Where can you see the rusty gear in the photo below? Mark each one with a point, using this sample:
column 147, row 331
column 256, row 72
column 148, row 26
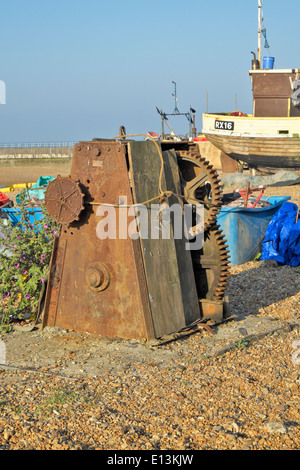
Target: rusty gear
column 64, row 200
column 200, row 183
column 211, row 265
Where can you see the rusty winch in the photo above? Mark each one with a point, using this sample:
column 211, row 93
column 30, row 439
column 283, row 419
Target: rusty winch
column 133, row 286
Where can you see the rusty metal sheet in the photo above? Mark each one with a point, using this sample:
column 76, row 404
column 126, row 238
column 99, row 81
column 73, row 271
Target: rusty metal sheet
column 212, row 310
column 98, row 286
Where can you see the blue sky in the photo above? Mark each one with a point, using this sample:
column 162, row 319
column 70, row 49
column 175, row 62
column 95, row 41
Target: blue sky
column 75, row 69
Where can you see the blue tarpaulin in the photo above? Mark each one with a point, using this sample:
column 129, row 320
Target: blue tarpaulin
column 282, row 238
column 38, row 189
column 245, row 227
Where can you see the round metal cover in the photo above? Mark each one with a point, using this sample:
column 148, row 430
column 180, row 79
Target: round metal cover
column 64, row 200
column 97, row 276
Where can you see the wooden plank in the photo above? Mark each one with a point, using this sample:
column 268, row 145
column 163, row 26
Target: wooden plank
column 229, row 165
column 274, row 85
column 184, row 259
column 268, row 107
column 168, row 266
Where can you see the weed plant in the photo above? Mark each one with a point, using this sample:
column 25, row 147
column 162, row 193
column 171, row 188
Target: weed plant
column 24, row 260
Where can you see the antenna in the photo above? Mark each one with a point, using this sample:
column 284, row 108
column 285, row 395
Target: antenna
column 176, row 110
column 190, row 115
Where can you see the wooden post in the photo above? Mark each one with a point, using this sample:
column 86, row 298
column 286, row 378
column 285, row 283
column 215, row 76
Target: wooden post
column 247, row 194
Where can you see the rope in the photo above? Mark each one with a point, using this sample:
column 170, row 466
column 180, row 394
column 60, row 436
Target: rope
column 162, row 194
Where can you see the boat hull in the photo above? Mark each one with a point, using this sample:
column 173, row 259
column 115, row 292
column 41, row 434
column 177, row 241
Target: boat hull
column 268, row 152
column 259, row 142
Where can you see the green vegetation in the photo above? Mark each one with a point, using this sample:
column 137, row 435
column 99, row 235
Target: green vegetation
column 241, row 343
column 24, row 262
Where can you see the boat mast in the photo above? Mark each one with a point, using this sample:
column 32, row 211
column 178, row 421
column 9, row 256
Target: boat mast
column 259, row 33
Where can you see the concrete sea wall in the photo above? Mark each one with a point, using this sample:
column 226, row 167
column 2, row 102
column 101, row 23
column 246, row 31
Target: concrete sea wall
column 36, row 153
column 16, row 153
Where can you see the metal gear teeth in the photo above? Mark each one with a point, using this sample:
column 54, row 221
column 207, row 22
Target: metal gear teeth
column 213, row 178
column 224, row 273
column 210, row 225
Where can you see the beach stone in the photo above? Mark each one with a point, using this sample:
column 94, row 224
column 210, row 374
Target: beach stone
column 276, row 427
column 281, row 408
column 293, row 387
column 243, row 331
column 217, row 428
column 7, row 434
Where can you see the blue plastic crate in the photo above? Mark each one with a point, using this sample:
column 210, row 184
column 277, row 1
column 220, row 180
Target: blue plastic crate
column 245, row 227
column 14, row 214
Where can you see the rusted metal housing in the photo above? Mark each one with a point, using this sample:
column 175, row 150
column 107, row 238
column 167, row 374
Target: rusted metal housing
column 124, row 287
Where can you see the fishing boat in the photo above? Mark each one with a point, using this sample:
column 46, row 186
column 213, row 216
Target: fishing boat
column 270, row 136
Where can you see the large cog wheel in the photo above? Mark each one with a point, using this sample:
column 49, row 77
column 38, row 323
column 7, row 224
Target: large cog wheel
column 200, row 184
column 211, row 265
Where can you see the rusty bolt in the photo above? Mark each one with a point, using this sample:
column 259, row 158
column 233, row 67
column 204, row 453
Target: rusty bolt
column 95, row 278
